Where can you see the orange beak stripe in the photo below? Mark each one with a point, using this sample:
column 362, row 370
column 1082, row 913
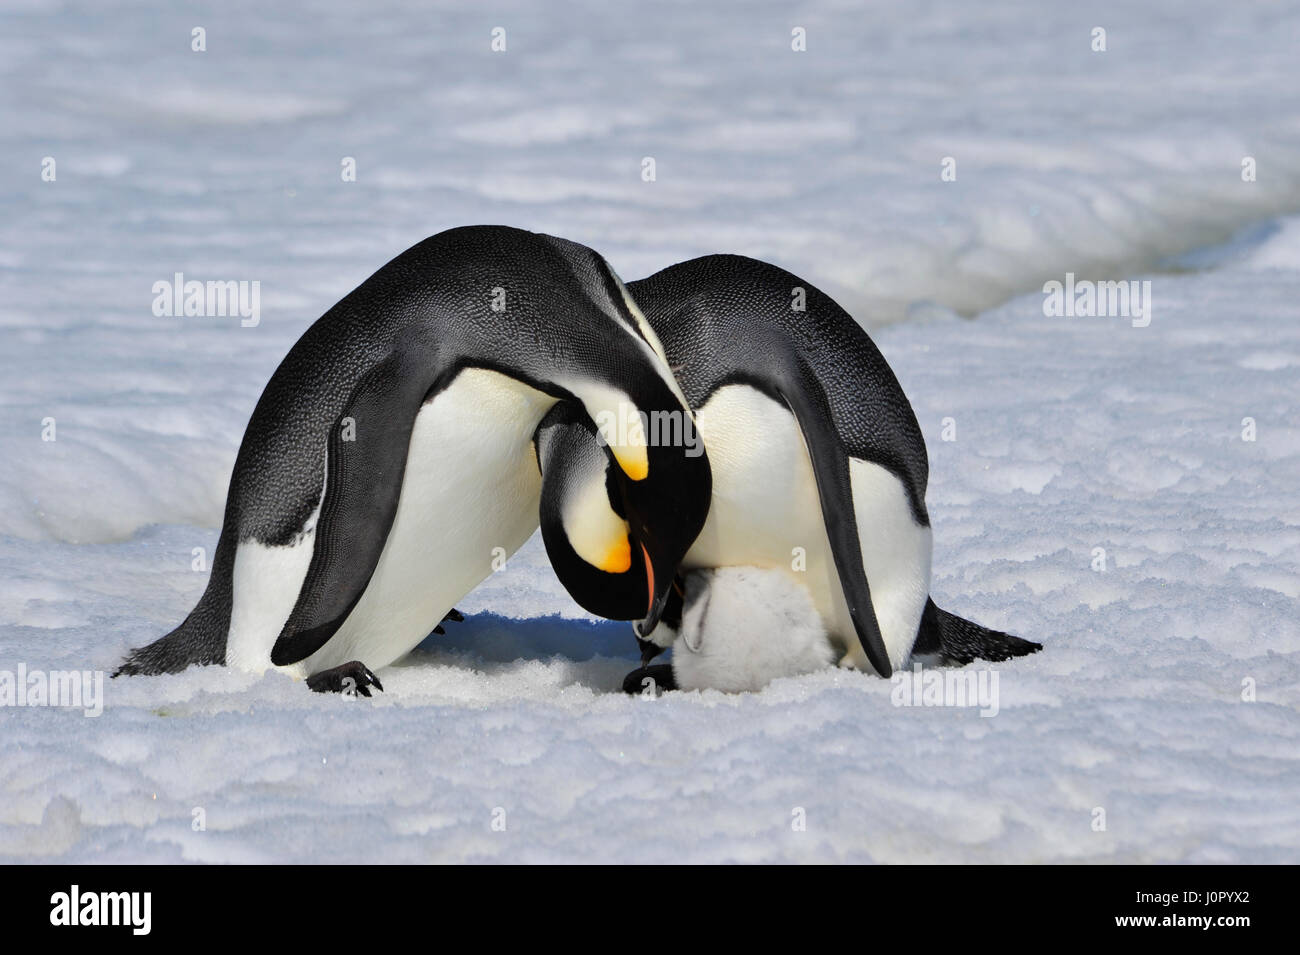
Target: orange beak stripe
column 650, row 576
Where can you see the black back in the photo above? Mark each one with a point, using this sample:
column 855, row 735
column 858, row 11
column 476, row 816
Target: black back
column 435, row 299
column 726, row 319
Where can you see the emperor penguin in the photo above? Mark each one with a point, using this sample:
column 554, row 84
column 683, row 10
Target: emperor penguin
column 818, row 465
column 388, row 467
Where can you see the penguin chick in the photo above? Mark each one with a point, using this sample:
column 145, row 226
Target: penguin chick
column 743, row 627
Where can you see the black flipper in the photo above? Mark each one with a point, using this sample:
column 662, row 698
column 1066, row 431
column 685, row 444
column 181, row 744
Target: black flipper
column 960, row 641
column 830, row 464
column 201, row 638
column 362, row 483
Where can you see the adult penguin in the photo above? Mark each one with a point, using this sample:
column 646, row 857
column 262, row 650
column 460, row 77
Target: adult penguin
column 388, row 467
column 818, row 464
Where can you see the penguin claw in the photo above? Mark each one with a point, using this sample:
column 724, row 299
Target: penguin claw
column 652, row 679
column 350, row 679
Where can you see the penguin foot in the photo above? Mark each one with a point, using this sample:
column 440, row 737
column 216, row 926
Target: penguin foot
column 650, row 680
column 349, row 679
column 454, row 615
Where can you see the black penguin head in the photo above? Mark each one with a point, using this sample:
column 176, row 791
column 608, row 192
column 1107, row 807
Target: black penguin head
column 617, row 516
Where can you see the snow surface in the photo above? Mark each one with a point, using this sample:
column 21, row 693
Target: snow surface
column 1071, row 434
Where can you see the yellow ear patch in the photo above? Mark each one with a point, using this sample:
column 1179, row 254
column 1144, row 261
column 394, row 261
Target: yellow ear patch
column 597, row 534
column 619, row 557
column 634, row 461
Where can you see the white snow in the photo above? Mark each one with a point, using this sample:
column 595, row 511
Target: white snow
column 1071, row 434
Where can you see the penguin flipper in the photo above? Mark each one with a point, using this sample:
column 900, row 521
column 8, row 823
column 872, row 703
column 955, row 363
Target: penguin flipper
column 201, row 638
column 830, row 464
column 365, row 463
column 960, row 641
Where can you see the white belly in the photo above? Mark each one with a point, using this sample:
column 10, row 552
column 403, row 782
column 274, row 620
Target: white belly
column 766, row 513
column 469, row 499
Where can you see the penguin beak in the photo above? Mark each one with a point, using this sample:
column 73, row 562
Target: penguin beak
column 657, row 585
column 648, row 651
column 651, row 524
column 646, row 627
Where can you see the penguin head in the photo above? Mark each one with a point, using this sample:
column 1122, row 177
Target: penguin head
column 617, row 525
